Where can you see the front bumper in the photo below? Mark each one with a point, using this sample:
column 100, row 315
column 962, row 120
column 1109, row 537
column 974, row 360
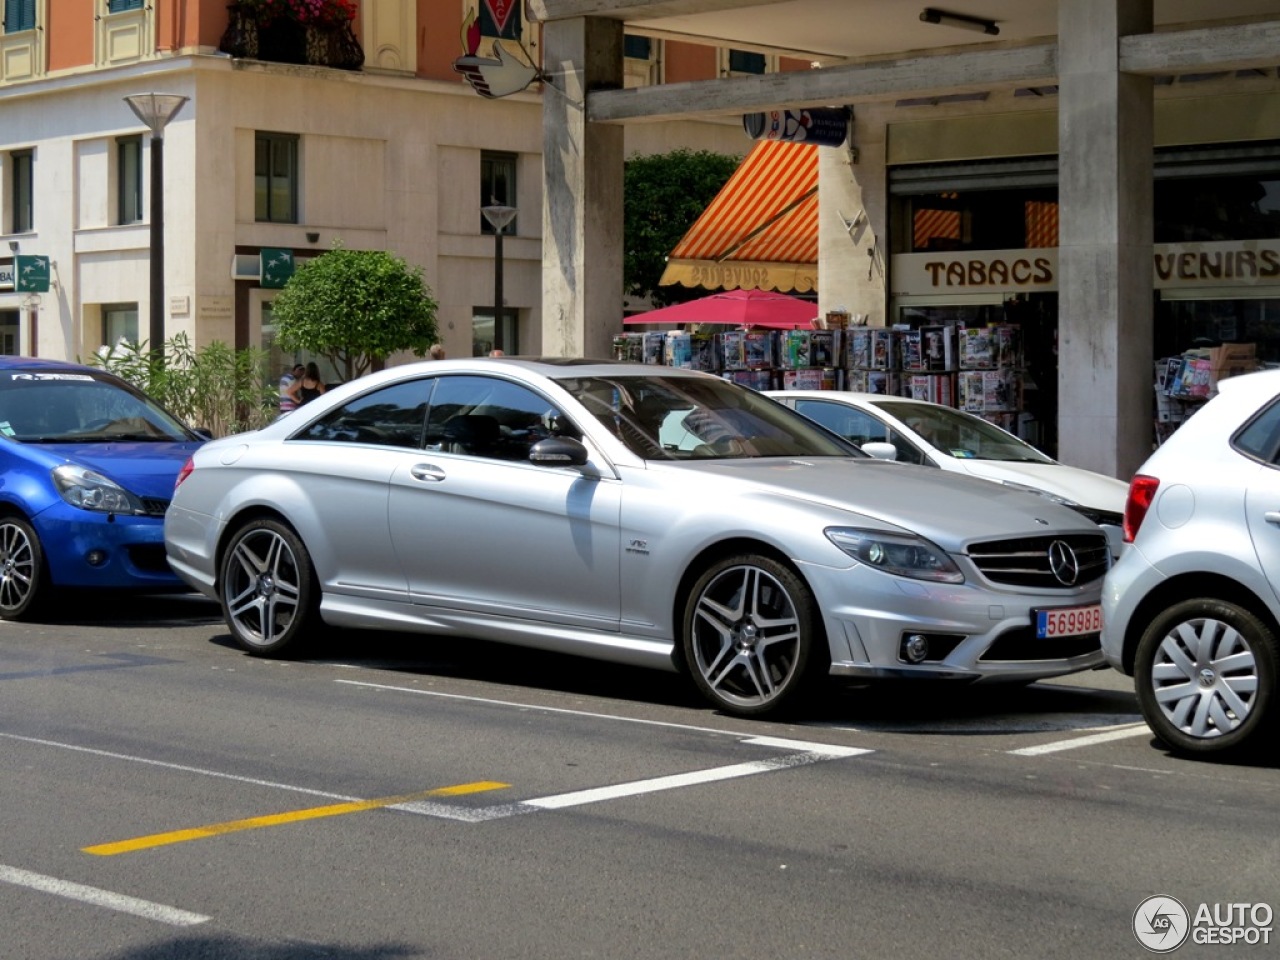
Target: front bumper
column 975, row 631
column 84, row 549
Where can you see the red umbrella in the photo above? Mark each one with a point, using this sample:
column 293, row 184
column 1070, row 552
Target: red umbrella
column 739, row 308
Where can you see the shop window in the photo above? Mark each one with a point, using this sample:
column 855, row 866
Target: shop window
column 22, row 191
column 1200, row 209
column 1013, row 219
column 129, row 180
column 19, row 15
column 119, row 322
column 275, row 170
column 497, row 186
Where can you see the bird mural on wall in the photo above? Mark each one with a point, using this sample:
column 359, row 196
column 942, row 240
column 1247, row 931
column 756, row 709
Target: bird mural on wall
column 498, row 76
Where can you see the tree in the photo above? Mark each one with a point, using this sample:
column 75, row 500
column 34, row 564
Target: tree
column 663, row 195
column 356, row 307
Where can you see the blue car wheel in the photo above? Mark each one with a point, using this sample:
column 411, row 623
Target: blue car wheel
column 23, row 579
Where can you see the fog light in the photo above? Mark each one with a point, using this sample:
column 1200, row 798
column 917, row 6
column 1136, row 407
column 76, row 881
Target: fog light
column 95, row 558
column 915, row 649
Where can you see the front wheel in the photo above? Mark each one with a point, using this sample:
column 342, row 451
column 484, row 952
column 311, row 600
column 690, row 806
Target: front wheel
column 270, row 596
column 1205, row 672
column 750, row 635
column 24, row 579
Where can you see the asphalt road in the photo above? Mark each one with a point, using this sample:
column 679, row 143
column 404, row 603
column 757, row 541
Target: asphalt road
column 165, row 796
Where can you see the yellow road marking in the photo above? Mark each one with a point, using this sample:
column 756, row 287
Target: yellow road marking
column 293, row 816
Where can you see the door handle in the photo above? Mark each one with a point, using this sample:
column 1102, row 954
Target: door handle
column 426, row 471
column 1272, row 516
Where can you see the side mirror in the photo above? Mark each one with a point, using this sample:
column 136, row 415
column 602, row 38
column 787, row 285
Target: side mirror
column 558, row 452
column 880, row 450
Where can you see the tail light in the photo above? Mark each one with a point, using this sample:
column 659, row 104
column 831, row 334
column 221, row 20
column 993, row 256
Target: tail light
column 1142, row 490
column 184, row 472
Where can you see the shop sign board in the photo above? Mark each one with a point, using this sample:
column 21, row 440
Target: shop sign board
column 1176, row 266
column 823, row 126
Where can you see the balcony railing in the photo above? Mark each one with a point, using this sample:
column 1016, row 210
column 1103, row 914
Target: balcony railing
column 282, row 40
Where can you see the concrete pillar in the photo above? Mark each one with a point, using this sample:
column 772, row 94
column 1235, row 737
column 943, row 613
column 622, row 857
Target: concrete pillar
column 1105, row 140
column 582, row 191
column 853, row 221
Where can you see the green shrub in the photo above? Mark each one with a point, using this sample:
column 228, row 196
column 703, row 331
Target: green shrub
column 215, row 388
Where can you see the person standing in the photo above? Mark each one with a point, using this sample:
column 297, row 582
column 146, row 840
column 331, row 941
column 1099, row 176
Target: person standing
column 309, row 386
column 288, row 401
column 437, row 351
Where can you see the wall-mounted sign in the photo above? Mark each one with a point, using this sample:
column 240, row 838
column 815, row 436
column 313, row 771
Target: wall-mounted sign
column 277, row 267
column 823, row 126
column 504, row 73
column 6, row 275
column 32, row 273
column 1219, row 264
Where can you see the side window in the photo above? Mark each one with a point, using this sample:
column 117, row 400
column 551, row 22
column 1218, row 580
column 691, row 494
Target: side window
column 129, row 180
column 497, row 187
column 855, row 425
column 488, row 417
column 390, row 417
column 19, row 15
column 22, row 191
column 1261, row 436
column 275, row 178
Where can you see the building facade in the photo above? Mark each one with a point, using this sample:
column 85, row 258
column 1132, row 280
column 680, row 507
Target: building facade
column 1102, row 172
column 284, row 147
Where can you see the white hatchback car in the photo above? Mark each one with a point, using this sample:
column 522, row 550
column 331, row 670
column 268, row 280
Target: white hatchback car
column 1191, row 609
column 915, row 431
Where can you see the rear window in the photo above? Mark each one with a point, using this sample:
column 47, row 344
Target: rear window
column 1260, row 437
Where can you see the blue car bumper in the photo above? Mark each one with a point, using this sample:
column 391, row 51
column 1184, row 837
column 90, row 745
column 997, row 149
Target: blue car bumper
column 87, row 549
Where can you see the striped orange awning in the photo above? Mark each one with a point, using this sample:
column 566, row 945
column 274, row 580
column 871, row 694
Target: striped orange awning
column 761, row 230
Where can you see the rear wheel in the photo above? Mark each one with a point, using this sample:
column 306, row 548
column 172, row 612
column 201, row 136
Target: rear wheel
column 751, row 636
column 1205, row 672
column 24, row 581
column 270, row 596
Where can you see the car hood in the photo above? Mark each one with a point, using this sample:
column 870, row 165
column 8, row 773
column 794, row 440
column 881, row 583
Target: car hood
column 1084, row 487
column 948, row 508
column 144, row 469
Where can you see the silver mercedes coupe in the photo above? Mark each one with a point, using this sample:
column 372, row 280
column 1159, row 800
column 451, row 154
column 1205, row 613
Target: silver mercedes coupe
column 647, row 515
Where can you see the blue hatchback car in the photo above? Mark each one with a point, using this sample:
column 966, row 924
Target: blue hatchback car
column 87, row 467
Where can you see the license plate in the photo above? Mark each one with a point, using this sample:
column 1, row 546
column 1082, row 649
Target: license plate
column 1069, row 621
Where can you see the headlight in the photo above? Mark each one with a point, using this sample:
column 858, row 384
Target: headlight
column 898, row 553
column 83, row 488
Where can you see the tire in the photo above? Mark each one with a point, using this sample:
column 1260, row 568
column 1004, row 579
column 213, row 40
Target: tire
column 24, row 578
column 1205, row 672
column 749, row 637
column 268, row 588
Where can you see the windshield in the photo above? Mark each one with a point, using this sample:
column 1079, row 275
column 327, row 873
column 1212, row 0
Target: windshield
column 961, row 435
column 684, row 418
column 75, row 407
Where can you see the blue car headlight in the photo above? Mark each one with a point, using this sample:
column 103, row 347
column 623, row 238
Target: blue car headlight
column 88, row 490
column 901, row 554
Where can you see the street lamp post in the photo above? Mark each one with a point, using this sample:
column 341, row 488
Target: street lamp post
column 156, row 110
column 499, row 218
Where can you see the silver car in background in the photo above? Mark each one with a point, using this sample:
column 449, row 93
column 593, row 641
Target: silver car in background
column 652, row 516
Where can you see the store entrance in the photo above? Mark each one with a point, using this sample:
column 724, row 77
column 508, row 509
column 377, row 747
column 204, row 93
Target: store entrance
column 1005, row 358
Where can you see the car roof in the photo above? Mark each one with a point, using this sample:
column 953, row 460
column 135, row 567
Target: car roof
column 553, row 367
column 42, row 363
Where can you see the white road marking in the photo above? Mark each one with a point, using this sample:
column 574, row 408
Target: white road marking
column 101, row 898
column 183, row 768
column 1119, row 733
